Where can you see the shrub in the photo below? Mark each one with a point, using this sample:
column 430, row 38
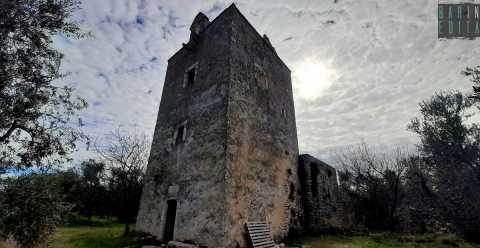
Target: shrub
column 32, row 209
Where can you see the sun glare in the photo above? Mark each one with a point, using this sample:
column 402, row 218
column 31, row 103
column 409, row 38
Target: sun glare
column 311, row 79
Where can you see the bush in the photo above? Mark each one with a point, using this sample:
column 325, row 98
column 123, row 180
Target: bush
column 32, row 209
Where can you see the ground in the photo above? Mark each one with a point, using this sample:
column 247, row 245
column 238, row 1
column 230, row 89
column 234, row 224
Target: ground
column 111, row 237
column 87, row 237
column 385, row 241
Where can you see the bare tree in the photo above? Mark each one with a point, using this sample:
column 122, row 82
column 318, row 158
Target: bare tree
column 373, row 180
column 126, row 157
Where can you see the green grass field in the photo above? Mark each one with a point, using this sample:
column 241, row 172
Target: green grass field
column 88, row 237
column 385, row 241
column 111, row 237
column 95, row 237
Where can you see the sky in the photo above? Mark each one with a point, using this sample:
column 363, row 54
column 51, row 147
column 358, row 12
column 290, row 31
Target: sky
column 359, row 67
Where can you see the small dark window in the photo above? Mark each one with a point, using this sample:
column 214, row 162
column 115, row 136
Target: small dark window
column 191, row 77
column 180, row 134
column 156, row 179
column 329, row 173
column 283, row 112
column 291, row 194
column 326, row 196
column 293, row 213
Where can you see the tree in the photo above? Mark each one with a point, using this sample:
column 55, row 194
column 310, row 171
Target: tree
column 93, row 192
column 69, row 186
column 450, row 148
column 126, row 157
column 35, row 114
column 374, row 183
column 32, row 209
column 420, row 212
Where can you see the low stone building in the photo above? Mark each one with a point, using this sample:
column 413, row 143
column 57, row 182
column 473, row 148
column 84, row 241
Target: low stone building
column 323, row 206
column 225, row 147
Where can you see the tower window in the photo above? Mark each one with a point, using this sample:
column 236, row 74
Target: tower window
column 261, row 76
column 291, row 194
column 191, row 77
column 180, row 134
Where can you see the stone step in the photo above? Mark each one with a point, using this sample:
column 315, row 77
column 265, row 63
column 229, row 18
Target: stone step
column 260, row 234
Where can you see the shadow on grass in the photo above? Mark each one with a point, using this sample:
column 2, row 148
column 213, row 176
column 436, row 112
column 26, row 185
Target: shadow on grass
column 98, row 237
column 383, row 240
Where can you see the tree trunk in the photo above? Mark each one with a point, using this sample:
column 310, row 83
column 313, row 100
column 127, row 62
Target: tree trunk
column 126, row 231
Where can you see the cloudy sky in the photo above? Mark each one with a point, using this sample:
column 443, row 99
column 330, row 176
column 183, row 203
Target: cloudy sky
column 359, row 67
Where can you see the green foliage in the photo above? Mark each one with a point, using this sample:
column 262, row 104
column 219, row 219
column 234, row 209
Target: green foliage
column 35, row 114
column 93, row 193
column 32, row 209
column 450, row 150
column 445, row 136
column 68, row 183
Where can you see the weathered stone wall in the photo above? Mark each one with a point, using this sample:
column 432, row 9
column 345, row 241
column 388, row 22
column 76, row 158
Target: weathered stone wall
column 262, row 144
column 321, row 207
column 193, row 168
column 237, row 161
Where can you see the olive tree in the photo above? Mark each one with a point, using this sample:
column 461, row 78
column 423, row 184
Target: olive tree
column 35, row 113
column 449, row 146
column 31, row 209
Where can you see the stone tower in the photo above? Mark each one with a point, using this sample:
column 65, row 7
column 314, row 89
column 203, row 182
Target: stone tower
column 225, row 145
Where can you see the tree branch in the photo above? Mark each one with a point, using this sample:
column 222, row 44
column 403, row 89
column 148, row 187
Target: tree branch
column 9, row 132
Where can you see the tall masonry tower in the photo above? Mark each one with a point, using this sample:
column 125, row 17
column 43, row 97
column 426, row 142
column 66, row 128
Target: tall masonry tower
column 225, row 146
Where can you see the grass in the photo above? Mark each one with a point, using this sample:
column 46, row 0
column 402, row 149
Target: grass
column 88, row 237
column 94, row 237
column 111, row 237
column 74, row 219
column 385, row 241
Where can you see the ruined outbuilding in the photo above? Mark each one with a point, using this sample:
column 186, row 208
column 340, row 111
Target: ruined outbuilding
column 323, row 206
column 225, row 147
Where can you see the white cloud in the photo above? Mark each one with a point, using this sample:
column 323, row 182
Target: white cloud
column 383, row 57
